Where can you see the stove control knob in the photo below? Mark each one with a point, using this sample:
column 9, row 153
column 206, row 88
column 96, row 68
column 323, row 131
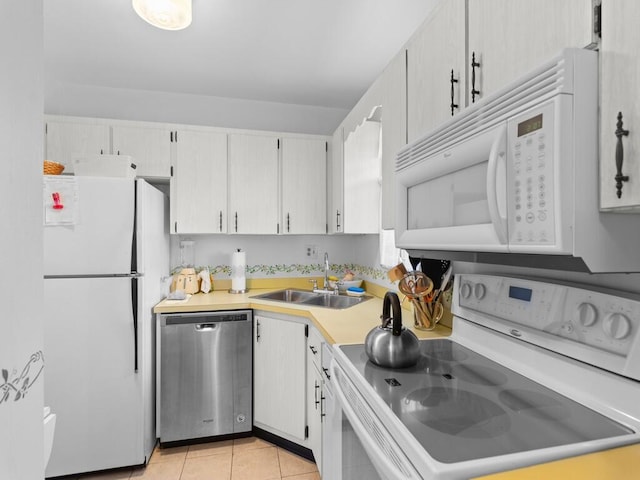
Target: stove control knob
column 586, row 314
column 479, row 291
column 465, row 290
column 616, row 326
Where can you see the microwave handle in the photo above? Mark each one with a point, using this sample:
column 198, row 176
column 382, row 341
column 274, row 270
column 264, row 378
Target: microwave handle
column 496, row 192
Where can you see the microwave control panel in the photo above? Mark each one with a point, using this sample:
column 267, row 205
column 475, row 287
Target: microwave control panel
column 530, row 177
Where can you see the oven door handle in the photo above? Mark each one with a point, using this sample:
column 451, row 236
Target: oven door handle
column 378, row 449
column 496, row 187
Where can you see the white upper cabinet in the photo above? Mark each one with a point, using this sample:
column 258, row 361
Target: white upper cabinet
column 511, row 37
column 304, row 185
column 620, row 76
column 253, row 184
column 66, row 141
column 435, row 53
column 394, row 130
column 150, row 148
column 335, row 187
column 362, row 170
column 199, row 182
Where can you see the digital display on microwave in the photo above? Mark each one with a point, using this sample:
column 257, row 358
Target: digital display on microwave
column 520, row 293
column 530, row 125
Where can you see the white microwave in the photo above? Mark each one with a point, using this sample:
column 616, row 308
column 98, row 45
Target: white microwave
column 517, row 174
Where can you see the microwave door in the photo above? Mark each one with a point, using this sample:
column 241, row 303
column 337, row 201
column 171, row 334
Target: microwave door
column 454, row 199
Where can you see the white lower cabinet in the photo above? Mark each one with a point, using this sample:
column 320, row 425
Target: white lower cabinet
column 315, row 395
column 279, row 375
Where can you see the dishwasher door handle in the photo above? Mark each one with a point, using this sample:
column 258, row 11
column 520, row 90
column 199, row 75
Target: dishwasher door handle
column 203, row 327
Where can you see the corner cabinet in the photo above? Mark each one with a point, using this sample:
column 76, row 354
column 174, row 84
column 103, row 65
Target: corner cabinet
column 394, row 131
column 304, row 180
column 335, row 189
column 620, row 137
column 198, row 183
column 253, row 184
column 66, row 141
column 279, row 375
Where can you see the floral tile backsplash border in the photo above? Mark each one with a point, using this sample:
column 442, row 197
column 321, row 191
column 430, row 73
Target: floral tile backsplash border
column 297, row 269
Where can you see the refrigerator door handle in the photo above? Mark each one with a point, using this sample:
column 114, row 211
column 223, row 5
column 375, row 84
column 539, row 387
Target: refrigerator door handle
column 134, row 311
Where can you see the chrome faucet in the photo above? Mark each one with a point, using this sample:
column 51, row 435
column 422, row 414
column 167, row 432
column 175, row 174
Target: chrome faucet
column 325, row 286
column 326, row 271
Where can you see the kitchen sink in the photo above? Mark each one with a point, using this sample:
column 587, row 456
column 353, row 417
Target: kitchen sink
column 289, row 295
column 305, row 297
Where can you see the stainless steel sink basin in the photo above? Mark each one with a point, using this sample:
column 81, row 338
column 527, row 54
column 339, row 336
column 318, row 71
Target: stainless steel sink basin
column 335, row 301
column 289, row 295
column 305, row 297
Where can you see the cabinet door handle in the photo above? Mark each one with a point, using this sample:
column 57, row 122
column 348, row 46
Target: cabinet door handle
column 620, row 132
column 315, row 394
column 288, row 224
column 313, row 349
column 474, row 64
column 337, row 220
column 453, row 104
column 322, row 404
column 221, row 220
column 236, row 222
column 326, row 373
column 257, row 330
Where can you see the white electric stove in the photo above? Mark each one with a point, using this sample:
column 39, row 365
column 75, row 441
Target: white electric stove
column 533, row 372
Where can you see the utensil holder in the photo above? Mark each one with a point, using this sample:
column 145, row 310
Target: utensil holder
column 426, row 315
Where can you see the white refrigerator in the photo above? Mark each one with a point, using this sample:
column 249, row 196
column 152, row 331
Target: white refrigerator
column 104, row 271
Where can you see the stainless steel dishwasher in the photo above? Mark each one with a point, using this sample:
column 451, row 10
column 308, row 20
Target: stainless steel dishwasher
column 206, row 361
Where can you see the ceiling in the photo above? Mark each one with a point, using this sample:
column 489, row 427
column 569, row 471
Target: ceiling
column 308, row 52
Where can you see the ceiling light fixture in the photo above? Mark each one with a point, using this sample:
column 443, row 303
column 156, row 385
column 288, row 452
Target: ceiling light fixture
column 165, row 14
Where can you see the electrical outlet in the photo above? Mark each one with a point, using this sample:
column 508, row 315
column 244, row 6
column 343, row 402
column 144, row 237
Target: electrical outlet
column 311, row 251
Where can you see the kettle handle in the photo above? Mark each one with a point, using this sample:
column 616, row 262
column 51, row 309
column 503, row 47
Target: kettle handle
column 391, row 300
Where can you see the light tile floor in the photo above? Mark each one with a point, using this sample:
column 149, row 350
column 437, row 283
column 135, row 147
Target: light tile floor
column 242, row 459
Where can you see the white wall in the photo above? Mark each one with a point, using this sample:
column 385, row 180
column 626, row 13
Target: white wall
column 21, row 284
column 102, row 102
column 213, row 250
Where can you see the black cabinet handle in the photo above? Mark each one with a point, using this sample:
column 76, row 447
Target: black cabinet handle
column 620, row 132
column 257, row 330
column 322, row 412
column 474, row 64
column 236, row 222
column 221, row 220
column 315, row 394
column 453, row 105
column 326, row 373
column 337, row 220
column 313, row 349
column 288, row 224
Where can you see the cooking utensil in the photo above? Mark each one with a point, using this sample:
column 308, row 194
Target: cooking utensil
column 415, row 285
column 435, row 269
column 390, row 344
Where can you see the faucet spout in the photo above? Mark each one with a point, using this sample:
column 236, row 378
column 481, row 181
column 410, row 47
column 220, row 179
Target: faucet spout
column 326, row 271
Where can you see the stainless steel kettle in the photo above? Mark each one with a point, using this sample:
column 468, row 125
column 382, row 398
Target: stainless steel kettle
column 390, row 344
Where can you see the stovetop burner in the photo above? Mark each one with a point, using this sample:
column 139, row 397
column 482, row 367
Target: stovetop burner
column 454, row 399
